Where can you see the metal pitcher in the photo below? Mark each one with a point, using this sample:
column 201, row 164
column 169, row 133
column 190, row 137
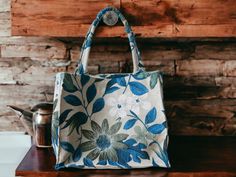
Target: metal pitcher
column 37, row 122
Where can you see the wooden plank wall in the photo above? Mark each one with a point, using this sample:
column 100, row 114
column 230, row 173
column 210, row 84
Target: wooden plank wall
column 199, row 81
column 149, row 18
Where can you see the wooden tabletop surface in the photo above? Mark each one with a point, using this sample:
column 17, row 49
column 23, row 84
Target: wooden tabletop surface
column 189, row 156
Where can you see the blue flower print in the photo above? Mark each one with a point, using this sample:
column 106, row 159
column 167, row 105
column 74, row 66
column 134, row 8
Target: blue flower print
column 103, row 141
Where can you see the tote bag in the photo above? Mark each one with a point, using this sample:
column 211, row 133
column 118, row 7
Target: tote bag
column 109, row 120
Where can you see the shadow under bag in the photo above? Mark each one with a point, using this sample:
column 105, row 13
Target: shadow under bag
column 109, row 120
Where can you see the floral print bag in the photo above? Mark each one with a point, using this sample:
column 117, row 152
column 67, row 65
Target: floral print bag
column 109, row 120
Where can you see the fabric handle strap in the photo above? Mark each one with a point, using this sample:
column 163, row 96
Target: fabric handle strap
column 85, row 50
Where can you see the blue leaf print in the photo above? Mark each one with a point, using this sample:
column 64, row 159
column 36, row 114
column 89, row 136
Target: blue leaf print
column 131, row 141
column 91, row 93
column 77, row 154
column 136, row 158
column 98, row 105
column 133, row 152
column 109, row 85
column 140, row 75
column 76, row 120
column 154, row 163
column 73, row 100
column 162, row 154
column 153, row 80
column 102, row 162
column 156, row 128
column 88, row 162
column 151, row 116
column 84, row 79
column 111, row 89
column 80, row 117
column 134, row 115
column 63, row 116
column 68, row 84
column 136, row 151
column 113, row 163
column 165, row 124
column 67, row 147
column 137, row 154
column 137, row 88
column 59, row 166
column 129, row 124
column 121, row 81
column 123, row 157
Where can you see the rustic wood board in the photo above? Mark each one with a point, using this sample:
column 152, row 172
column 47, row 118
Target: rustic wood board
column 151, row 18
column 189, row 157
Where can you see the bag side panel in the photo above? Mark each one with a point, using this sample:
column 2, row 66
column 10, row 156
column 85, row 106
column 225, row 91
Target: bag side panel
column 125, row 112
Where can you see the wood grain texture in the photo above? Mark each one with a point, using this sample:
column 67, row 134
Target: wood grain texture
column 151, row 18
column 189, row 156
column 204, row 117
column 204, row 88
column 199, row 77
column 191, row 12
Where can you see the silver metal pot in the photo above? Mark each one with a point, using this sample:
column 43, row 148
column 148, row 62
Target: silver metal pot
column 42, row 118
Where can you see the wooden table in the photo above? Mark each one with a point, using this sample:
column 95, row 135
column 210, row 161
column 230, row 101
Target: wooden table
column 189, row 156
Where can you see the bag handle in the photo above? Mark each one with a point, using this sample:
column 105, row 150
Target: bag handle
column 137, row 63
